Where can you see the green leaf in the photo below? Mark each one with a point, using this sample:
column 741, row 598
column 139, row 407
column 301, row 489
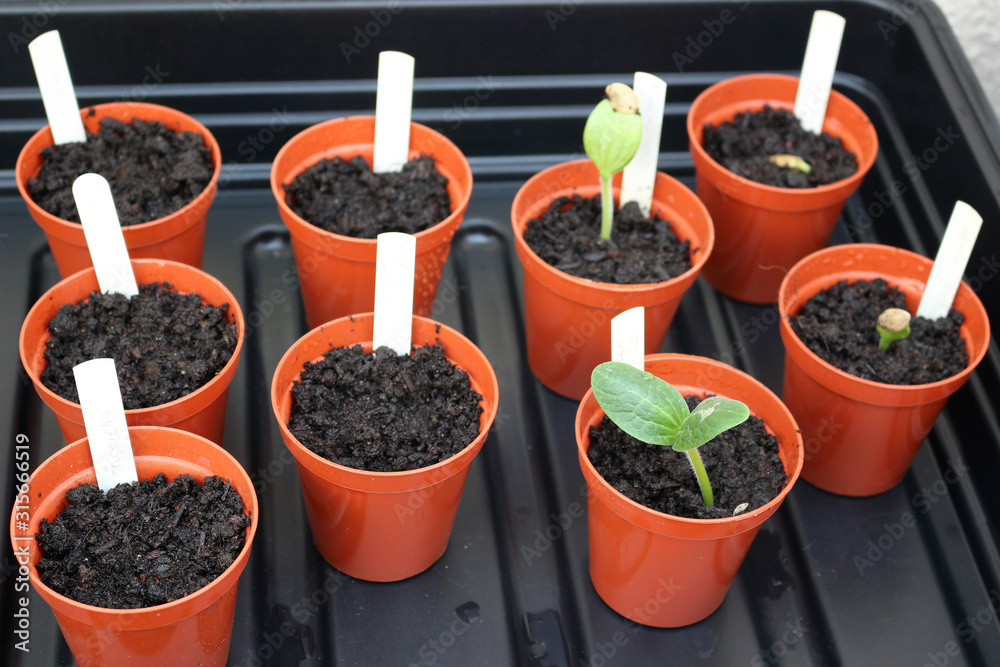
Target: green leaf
column 641, row 404
column 611, row 138
column 710, row 418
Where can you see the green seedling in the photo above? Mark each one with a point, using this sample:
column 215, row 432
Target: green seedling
column 652, row 410
column 790, row 161
column 893, row 324
column 611, row 138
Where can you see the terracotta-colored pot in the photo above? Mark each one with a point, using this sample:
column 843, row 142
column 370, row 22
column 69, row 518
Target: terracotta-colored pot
column 337, row 272
column 566, row 318
column 193, row 630
column 763, row 230
column 667, row 571
column 860, row 436
column 381, row 526
column 203, row 411
column 179, row 236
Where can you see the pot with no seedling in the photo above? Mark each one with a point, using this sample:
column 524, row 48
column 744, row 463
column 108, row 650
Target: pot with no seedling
column 763, row 229
column 861, row 434
column 566, row 315
column 381, row 526
column 337, row 271
column 202, row 411
column 178, row 235
column 194, row 629
column 656, row 568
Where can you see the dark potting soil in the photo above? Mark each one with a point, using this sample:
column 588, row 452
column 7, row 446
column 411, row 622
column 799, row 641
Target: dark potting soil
column 838, row 324
column 345, row 197
column 742, row 463
column 382, row 412
column 165, row 344
column 744, row 144
column 153, row 171
column 641, row 250
column 142, row 544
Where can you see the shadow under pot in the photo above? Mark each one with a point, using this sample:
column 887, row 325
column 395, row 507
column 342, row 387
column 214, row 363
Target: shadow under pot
column 178, row 236
column 762, row 230
column 337, row 272
column 860, row 435
column 192, row 630
column 567, row 319
column 381, row 526
column 202, row 411
column 669, row 571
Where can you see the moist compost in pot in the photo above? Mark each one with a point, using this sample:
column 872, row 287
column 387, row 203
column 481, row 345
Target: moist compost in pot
column 745, row 144
column 382, row 412
column 153, row 171
column 142, row 544
column 165, row 344
column 641, row 249
column 742, row 463
column 345, row 197
column 838, row 325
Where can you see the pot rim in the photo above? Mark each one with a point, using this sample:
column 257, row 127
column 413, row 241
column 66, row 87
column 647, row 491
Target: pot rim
column 65, row 226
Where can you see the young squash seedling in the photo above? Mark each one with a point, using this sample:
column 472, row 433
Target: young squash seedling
column 611, row 138
column 893, row 324
column 650, row 409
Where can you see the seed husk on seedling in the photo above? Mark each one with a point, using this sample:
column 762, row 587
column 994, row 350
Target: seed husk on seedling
column 611, row 138
column 893, row 324
column 650, row 409
column 789, row 161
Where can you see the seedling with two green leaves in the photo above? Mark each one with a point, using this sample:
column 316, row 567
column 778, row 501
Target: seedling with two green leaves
column 651, row 410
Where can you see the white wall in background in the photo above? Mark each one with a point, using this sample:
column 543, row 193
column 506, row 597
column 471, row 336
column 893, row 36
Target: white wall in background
column 977, row 25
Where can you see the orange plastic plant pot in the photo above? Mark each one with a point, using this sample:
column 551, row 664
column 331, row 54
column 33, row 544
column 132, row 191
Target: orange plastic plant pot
column 763, row 230
column 861, row 436
column 567, row 319
column 203, row 411
column 667, row 571
column 193, row 630
column 381, row 526
column 179, row 236
column 336, row 272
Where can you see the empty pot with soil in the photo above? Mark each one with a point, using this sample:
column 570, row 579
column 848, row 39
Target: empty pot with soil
column 774, row 191
column 172, row 600
column 176, row 348
column 865, row 411
column 334, row 207
column 382, row 443
column 659, row 554
column 163, row 167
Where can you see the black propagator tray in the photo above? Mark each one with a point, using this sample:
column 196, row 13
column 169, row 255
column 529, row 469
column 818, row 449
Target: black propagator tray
column 511, row 83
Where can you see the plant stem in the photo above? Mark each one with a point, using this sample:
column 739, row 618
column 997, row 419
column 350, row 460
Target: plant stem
column 607, row 207
column 699, row 470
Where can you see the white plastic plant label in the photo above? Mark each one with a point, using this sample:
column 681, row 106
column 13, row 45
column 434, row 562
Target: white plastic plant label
column 393, row 107
column 104, row 419
column 103, row 232
column 58, row 96
column 818, row 67
column 639, row 176
column 395, row 262
column 952, row 258
column 628, row 338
